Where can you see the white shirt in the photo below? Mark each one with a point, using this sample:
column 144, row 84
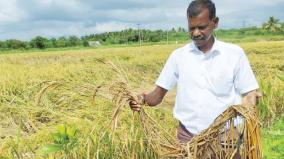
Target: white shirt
column 207, row 84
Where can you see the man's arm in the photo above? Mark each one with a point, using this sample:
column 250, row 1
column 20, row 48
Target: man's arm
column 251, row 98
column 152, row 99
column 155, row 97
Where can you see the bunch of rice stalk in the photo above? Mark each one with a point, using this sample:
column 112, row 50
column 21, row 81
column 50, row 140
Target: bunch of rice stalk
column 219, row 140
column 155, row 135
column 222, row 140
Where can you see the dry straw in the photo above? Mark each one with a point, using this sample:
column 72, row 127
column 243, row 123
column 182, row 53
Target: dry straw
column 236, row 130
column 222, row 140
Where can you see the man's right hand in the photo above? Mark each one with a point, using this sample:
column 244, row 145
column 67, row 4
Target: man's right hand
column 151, row 99
column 136, row 105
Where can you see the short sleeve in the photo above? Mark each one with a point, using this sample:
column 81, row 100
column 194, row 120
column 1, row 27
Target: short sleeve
column 169, row 75
column 244, row 78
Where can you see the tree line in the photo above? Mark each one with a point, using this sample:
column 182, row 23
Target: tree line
column 40, row 42
column 133, row 36
column 128, row 36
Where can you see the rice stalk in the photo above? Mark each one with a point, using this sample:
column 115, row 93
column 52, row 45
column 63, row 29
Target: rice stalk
column 219, row 140
column 49, row 84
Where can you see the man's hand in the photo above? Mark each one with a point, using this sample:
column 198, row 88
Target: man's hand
column 251, row 98
column 151, row 99
column 136, row 105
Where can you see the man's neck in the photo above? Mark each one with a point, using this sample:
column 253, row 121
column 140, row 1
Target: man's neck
column 206, row 48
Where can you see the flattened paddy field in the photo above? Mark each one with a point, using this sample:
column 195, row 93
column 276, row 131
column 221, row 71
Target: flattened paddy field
column 58, row 104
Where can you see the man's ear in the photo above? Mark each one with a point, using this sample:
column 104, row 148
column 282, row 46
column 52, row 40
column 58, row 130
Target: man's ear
column 216, row 21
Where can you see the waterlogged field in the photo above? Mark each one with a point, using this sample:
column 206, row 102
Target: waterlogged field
column 57, row 104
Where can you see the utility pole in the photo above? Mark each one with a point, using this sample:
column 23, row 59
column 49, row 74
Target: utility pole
column 244, row 23
column 126, row 35
column 167, row 37
column 139, row 34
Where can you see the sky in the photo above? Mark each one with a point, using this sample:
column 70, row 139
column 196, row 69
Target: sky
column 25, row 19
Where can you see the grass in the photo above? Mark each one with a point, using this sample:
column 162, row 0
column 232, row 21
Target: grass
column 273, row 140
column 43, row 90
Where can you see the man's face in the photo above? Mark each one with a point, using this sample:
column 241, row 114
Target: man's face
column 201, row 28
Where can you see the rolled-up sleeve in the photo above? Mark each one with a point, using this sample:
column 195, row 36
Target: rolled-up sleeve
column 244, row 80
column 169, row 75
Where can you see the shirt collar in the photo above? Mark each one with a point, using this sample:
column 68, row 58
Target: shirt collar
column 215, row 48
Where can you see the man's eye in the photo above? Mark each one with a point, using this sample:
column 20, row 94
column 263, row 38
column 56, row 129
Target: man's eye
column 202, row 27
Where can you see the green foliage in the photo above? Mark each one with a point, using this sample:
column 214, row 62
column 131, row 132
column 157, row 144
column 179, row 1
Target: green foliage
column 73, row 41
column 85, row 43
column 53, row 42
column 64, row 141
column 282, row 27
column 51, row 149
column 61, row 42
column 274, row 140
column 281, row 76
column 39, row 42
column 14, row 44
column 272, row 25
column 2, row 44
column 271, row 30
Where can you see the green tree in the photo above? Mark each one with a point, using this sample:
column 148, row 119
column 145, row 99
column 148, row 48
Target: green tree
column 85, row 43
column 39, row 42
column 282, row 27
column 15, row 44
column 53, row 42
column 180, row 29
column 2, row 44
column 73, row 41
column 61, row 42
column 272, row 25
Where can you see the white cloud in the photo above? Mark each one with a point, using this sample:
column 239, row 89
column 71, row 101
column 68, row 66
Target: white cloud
column 24, row 19
column 110, row 26
column 63, row 4
column 10, row 12
column 138, row 16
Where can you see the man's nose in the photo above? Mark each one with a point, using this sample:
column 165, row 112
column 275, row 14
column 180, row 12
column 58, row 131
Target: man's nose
column 196, row 32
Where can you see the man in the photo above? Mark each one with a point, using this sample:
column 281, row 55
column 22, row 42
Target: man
column 210, row 75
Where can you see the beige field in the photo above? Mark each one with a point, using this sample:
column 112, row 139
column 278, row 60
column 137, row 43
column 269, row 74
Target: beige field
column 57, row 104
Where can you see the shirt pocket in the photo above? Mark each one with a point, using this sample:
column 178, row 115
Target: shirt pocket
column 222, row 83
